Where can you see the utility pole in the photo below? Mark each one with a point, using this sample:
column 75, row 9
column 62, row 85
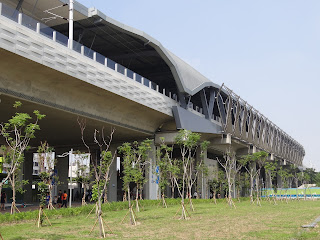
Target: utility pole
column 71, row 24
column 71, row 159
column 71, row 183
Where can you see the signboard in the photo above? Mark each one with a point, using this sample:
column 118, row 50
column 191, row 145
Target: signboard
column 48, row 162
column 76, row 161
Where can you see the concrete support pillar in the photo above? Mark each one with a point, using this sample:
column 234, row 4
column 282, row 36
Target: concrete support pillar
column 62, row 168
column 112, row 187
column 213, row 169
column 203, row 187
column 202, row 181
column 268, row 179
column 151, row 187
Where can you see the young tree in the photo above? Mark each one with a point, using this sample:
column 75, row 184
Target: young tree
column 285, row 175
column 251, row 169
column 253, row 165
column 46, row 169
column 188, row 143
column 161, row 170
column 83, row 173
column 231, row 166
column 213, row 186
column 305, row 181
column 17, row 132
column 135, row 158
column 101, row 168
column 297, row 177
column 260, row 158
column 15, row 179
column 271, row 172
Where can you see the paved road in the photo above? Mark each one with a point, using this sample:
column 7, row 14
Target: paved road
column 30, row 207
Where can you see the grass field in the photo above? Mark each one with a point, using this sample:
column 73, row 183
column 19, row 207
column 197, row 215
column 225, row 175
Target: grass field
column 209, row 221
column 315, row 191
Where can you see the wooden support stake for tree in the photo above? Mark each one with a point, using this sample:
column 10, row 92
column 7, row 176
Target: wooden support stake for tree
column 50, row 206
column 13, row 206
column 177, row 211
column 187, row 211
column 94, row 225
column 47, row 218
column 107, row 225
column 191, row 204
column 39, row 218
column 91, row 211
column 164, row 201
column 16, row 208
column 41, row 212
column 125, row 217
column 132, row 215
column 251, row 199
column 103, row 231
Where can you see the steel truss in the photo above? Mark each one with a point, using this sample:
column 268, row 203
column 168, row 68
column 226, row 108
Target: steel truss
column 244, row 122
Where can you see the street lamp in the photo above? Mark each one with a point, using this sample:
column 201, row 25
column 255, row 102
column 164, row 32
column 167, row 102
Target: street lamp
column 70, row 153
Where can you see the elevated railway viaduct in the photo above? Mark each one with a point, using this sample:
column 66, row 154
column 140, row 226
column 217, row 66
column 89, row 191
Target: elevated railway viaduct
column 117, row 76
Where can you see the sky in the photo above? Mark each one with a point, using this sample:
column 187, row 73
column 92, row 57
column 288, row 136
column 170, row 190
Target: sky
column 266, row 51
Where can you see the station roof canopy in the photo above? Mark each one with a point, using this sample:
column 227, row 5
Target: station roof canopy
column 125, row 45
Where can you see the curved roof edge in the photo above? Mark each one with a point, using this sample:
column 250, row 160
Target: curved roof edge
column 188, row 79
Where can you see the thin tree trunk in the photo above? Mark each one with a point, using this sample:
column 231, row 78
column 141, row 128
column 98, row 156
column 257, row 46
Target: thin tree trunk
column 172, row 188
column 141, row 189
column 258, row 190
column 251, row 189
column 99, row 215
column 132, row 218
column 183, row 212
column 50, row 205
column 124, row 198
column 190, row 199
column 137, row 197
column 84, row 195
column 13, row 204
column 214, row 197
column 105, row 198
column 297, row 193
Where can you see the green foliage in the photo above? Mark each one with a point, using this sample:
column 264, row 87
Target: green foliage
column 271, row 169
column 43, row 190
column 18, row 131
column 101, row 174
column 183, row 171
column 135, row 157
column 83, row 171
column 313, row 175
column 285, row 175
column 46, row 172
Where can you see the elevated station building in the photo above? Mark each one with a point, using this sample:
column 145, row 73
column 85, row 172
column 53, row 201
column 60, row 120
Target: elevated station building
column 116, row 76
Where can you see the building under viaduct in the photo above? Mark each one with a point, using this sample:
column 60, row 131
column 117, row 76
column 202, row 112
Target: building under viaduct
column 115, row 75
